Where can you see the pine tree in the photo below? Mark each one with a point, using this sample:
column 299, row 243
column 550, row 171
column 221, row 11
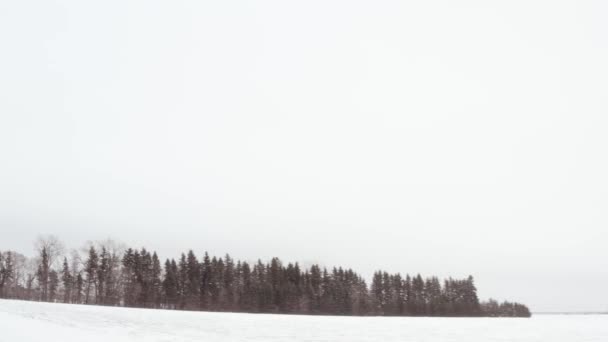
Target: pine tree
column 396, row 295
column 170, row 290
column 471, row 301
column 228, row 284
column 192, row 285
column 327, row 298
column 433, row 297
column 389, row 299
column 67, row 279
column 377, row 293
column 7, row 273
column 182, row 281
column 205, row 291
column 112, row 286
column 418, row 302
column 215, row 286
column 247, row 301
column 30, row 286
column 53, row 285
column 130, row 284
column 101, row 277
column 276, row 283
column 43, row 274
column 225, row 284
column 448, row 298
column 91, row 272
column 409, row 296
column 2, row 278
column 156, row 284
column 79, row 288
column 144, row 278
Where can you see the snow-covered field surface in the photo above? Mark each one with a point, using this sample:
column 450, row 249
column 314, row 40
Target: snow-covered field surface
column 29, row 322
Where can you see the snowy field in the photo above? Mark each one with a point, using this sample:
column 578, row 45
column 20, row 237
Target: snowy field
column 34, row 322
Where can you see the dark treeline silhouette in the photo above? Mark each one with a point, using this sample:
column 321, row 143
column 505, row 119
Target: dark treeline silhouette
column 108, row 275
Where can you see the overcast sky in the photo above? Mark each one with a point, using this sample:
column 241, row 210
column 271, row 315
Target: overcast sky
column 439, row 137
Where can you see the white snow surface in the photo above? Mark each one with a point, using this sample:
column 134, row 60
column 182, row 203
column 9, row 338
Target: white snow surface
column 33, row 322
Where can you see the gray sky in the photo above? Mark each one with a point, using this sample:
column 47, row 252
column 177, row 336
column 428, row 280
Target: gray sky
column 427, row 136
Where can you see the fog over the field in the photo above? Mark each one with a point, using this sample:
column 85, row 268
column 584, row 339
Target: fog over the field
column 439, row 137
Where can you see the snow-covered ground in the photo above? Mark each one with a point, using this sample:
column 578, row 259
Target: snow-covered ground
column 35, row 322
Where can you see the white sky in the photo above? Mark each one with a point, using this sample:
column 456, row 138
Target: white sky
column 431, row 136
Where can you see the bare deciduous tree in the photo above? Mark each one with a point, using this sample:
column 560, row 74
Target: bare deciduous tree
column 49, row 249
column 52, row 245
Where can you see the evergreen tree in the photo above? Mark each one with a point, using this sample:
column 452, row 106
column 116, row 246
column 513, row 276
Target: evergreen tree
column 79, row 288
column 377, row 293
column 247, row 302
column 396, row 295
column 206, row 276
column 156, row 283
column 7, row 273
column 182, row 284
column 53, row 285
column 228, row 284
column 409, row 296
column 130, row 283
column 315, row 289
column 192, row 284
column 67, row 279
column 418, row 302
column 91, row 272
column 2, row 275
column 276, row 283
column 327, row 298
column 102, row 274
column 433, row 297
column 43, row 274
column 225, row 284
column 170, row 290
column 143, row 271
column 112, row 287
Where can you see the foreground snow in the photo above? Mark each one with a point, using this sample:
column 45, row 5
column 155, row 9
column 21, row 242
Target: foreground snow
column 34, row 322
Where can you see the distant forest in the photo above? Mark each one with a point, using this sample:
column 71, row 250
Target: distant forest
column 105, row 273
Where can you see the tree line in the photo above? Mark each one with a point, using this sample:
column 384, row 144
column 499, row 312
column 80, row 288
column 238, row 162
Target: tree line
column 108, row 274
